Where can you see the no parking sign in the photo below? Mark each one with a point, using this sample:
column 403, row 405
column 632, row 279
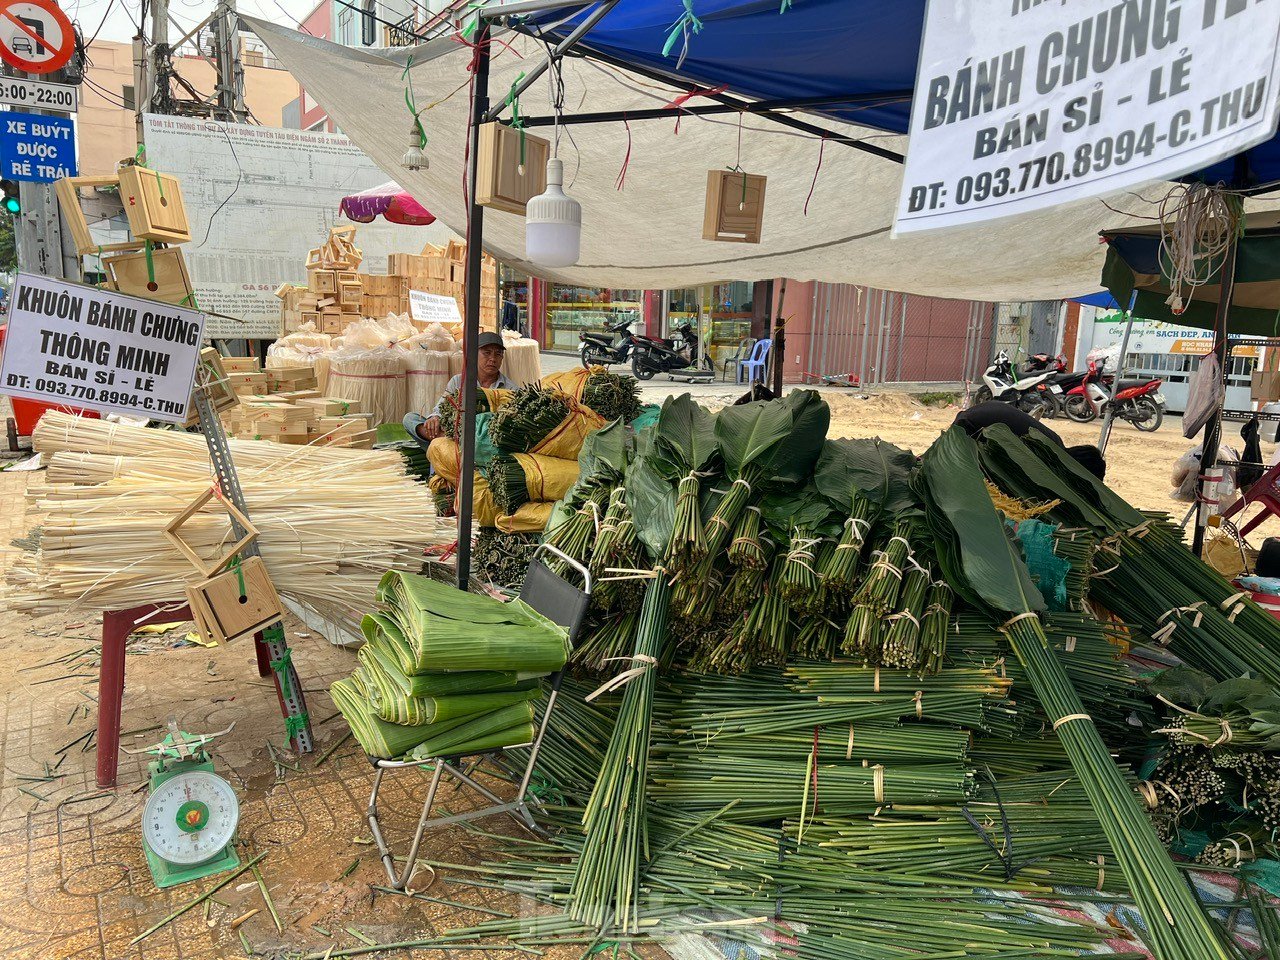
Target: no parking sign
column 35, row 35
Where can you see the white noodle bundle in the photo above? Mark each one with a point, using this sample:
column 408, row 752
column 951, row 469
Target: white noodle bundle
column 521, row 363
column 373, row 380
column 427, row 374
column 331, row 520
column 298, row 349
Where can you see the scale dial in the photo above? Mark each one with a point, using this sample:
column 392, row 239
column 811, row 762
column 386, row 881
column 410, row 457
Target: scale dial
column 190, row 818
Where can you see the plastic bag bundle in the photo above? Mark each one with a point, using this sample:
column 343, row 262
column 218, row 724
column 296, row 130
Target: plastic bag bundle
column 299, row 349
column 427, row 374
column 438, row 338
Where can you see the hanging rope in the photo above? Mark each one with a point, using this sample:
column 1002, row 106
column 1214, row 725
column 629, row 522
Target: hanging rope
column 1197, row 226
column 626, row 161
column 821, row 147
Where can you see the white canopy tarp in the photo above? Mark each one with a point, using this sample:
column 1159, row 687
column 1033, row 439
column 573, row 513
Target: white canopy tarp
column 647, row 234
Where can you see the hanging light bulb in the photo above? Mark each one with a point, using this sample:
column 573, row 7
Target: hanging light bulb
column 553, row 223
column 414, row 158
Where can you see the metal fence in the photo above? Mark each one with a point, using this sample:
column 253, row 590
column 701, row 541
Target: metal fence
column 878, row 336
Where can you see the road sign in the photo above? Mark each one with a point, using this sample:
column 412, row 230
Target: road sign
column 35, row 36
column 35, row 148
column 39, row 94
column 99, row 350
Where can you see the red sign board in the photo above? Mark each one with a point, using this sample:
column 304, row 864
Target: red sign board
column 35, row 35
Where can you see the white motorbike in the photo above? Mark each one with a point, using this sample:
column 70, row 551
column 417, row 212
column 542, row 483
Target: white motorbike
column 1031, row 393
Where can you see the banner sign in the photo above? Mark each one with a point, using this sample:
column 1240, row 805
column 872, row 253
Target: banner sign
column 36, row 148
column 433, row 308
column 1021, row 105
column 77, row 345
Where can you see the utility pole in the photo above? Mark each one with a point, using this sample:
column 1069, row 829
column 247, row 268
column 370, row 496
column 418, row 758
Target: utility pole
column 226, row 33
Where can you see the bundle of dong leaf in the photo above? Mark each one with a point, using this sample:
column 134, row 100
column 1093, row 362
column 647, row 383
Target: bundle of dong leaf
column 983, row 565
column 933, row 650
column 445, row 672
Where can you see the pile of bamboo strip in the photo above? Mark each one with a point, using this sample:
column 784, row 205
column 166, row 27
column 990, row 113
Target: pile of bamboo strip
column 332, row 520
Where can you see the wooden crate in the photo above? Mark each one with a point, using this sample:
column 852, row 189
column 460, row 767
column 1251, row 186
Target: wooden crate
column 350, row 292
column 153, row 203
column 322, row 282
column 223, row 612
column 241, row 364
column 735, row 207
column 68, row 191
column 502, row 181
column 130, row 274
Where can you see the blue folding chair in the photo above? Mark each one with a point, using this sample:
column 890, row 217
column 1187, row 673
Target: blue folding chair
column 753, row 368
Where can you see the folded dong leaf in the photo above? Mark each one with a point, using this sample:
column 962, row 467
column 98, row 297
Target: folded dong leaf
column 878, row 470
column 448, row 629
column 1009, row 456
column 652, row 498
column 1123, row 516
column 685, row 439
column 973, row 549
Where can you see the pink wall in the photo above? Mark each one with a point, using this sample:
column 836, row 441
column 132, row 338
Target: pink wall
column 318, row 23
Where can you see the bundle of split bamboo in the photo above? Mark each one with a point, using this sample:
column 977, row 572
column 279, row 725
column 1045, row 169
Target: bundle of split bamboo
column 332, row 521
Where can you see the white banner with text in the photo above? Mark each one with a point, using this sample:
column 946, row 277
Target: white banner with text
column 1021, row 105
column 72, row 344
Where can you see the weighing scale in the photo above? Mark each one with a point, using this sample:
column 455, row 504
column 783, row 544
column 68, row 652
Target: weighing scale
column 190, row 819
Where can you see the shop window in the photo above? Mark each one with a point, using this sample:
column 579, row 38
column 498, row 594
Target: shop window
column 574, row 310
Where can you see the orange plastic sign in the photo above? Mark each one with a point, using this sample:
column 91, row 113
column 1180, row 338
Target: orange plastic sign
column 35, row 35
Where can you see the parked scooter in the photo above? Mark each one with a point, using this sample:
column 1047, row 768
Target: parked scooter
column 1041, row 362
column 1033, row 393
column 602, row 349
column 1137, row 401
column 650, row 355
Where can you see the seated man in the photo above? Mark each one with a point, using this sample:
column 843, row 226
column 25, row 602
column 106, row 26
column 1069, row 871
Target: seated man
column 976, row 418
column 488, row 374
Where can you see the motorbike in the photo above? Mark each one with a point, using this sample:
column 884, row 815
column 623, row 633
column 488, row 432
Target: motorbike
column 650, row 355
column 1032, row 394
column 1040, row 362
column 1137, row 401
column 611, row 346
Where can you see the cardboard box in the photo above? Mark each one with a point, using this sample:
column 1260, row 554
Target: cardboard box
column 1265, row 386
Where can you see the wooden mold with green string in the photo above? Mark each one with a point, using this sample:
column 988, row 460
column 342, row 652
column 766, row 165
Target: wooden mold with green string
column 236, row 598
column 151, row 200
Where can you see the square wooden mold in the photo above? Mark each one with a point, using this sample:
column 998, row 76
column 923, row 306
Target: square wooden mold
column 735, row 207
column 172, row 283
column 501, row 180
column 153, row 203
column 235, row 603
column 172, row 533
column 212, row 376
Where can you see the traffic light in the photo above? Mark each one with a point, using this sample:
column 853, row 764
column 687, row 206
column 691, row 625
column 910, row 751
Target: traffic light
column 11, row 202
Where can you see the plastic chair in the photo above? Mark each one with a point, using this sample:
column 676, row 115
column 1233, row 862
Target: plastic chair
column 559, row 601
column 753, row 368
column 1265, row 491
column 742, row 353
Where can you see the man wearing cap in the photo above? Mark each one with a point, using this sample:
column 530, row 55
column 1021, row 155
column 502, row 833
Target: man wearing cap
column 488, row 374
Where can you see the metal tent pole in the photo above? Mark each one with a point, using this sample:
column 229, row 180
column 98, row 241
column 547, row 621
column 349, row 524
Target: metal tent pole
column 471, row 327
column 1213, row 430
column 1105, row 437
column 779, row 349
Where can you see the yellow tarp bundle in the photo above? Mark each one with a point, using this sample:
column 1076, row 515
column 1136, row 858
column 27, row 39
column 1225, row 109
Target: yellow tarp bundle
column 565, row 441
column 547, row 478
column 530, row 518
column 572, row 382
column 446, row 458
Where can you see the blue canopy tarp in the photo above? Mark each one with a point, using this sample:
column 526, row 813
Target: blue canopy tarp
column 852, row 49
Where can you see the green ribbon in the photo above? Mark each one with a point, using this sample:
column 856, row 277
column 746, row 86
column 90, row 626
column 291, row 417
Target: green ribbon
column 294, row 726
column 235, row 565
column 285, row 661
column 470, row 29
column 139, row 158
column 517, row 121
column 786, row 5
column 685, row 24
column 159, row 184
column 410, row 102
column 148, row 246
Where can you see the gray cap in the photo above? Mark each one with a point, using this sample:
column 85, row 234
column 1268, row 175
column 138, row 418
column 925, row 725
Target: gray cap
column 490, row 340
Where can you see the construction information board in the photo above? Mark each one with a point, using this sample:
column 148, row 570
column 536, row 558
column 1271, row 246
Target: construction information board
column 259, row 198
column 83, row 347
column 1025, row 104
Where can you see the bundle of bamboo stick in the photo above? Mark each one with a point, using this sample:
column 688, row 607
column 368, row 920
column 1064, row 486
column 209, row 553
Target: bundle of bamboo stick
column 332, row 520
